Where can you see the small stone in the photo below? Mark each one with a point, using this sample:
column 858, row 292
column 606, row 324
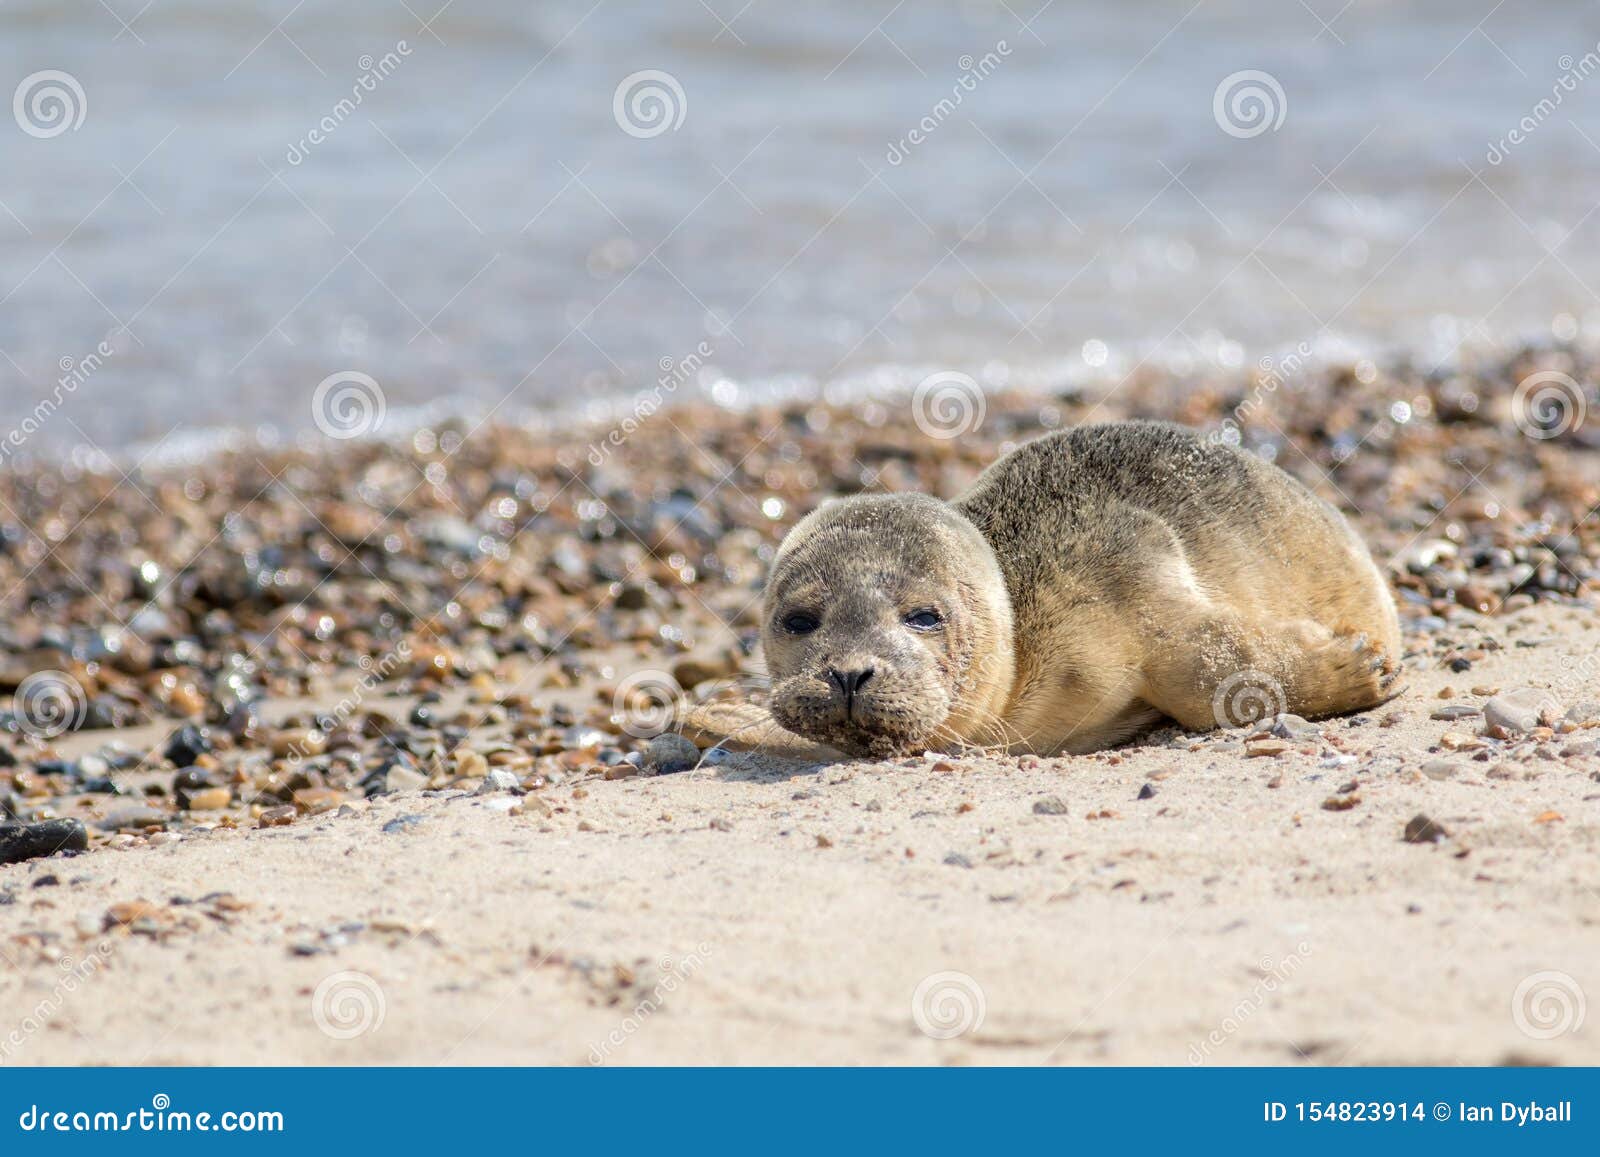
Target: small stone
column 693, row 670
column 1478, row 598
column 1439, row 769
column 1262, row 747
column 402, row 778
column 277, row 817
column 499, row 780
column 1456, row 711
column 721, row 825
column 471, row 765
column 1456, row 741
column 186, row 745
column 401, row 824
column 957, row 860
column 1148, row 791
column 1422, row 830
column 19, row 842
column 209, row 799
column 1340, row 803
column 1582, row 713
column 298, row 745
column 1521, row 710
column 1294, row 727
column 130, row 912
column 669, row 753
column 1050, row 805
column 136, row 816
column 316, row 800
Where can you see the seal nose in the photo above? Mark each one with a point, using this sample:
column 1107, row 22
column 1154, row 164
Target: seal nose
column 849, row 684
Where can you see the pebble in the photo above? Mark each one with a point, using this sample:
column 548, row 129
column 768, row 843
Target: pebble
column 1050, row 805
column 277, row 817
column 1439, row 769
column 399, row 777
column 1294, row 727
column 1148, row 791
column 1260, row 747
column 1587, row 711
column 186, row 745
column 209, row 799
column 133, row 817
column 1520, row 710
column 19, row 842
column 669, row 753
column 957, row 860
column 1456, row 711
column 499, row 780
column 1422, row 830
column 402, row 824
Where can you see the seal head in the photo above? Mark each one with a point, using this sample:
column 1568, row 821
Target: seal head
column 887, row 628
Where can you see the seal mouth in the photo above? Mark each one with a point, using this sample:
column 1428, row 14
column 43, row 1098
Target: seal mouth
column 851, row 716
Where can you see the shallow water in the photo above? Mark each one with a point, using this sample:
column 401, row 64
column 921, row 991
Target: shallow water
column 479, row 229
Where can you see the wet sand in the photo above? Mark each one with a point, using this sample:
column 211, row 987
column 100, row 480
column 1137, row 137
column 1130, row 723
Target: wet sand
column 360, row 741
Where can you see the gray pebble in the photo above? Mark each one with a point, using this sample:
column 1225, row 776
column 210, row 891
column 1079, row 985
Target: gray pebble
column 1294, row 727
column 670, row 752
column 1520, row 710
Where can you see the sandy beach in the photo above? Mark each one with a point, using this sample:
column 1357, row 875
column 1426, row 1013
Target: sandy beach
column 360, row 740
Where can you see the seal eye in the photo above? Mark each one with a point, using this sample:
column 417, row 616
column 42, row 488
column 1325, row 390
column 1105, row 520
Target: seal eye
column 924, row 620
column 800, row 623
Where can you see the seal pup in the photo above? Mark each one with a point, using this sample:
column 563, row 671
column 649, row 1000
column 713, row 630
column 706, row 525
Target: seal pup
column 1087, row 585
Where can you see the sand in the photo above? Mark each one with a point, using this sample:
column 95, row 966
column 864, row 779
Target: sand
column 782, row 913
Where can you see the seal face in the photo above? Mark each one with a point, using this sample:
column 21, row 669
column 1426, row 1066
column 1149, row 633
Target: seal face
column 874, row 632
column 1087, row 585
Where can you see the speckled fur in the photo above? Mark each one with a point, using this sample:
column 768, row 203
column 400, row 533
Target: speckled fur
column 1092, row 582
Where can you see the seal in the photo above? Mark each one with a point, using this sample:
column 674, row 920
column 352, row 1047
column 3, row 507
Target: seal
column 1088, row 585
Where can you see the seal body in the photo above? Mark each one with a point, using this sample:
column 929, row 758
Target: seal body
column 1087, row 585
